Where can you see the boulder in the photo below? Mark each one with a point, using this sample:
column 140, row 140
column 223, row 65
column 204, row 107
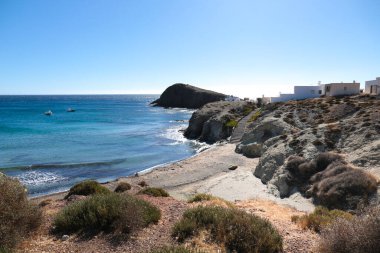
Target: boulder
column 211, row 123
column 251, row 150
column 187, row 96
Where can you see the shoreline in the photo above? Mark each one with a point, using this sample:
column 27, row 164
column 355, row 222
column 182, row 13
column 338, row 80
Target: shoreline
column 139, row 173
column 207, row 172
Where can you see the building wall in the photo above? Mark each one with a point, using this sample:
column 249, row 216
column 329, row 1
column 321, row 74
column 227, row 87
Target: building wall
column 303, row 92
column 341, row 89
column 368, row 85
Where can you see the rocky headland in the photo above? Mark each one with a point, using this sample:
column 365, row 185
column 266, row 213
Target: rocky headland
column 216, row 121
column 187, row 96
column 325, row 148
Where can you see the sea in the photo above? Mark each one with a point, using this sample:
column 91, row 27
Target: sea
column 107, row 137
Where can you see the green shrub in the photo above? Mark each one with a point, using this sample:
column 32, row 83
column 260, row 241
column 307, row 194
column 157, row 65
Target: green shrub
column 106, row 212
column 356, row 235
column 320, row 218
column 231, row 123
column 122, row 187
column 235, row 229
column 175, row 249
column 155, row 192
column 199, row 197
column 88, row 187
column 255, row 116
column 18, row 217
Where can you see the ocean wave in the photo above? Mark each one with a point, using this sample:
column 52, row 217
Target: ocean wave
column 36, row 178
column 64, row 165
column 175, row 133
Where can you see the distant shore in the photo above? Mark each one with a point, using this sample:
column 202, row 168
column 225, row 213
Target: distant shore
column 208, row 172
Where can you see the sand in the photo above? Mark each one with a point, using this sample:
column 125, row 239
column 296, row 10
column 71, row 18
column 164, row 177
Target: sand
column 209, row 172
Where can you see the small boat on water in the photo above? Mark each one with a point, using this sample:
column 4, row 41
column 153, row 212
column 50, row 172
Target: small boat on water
column 70, row 110
column 48, row 113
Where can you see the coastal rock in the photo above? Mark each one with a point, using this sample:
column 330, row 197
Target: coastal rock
column 251, row 150
column 215, row 121
column 187, row 96
column 350, row 126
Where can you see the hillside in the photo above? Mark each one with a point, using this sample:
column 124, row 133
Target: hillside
column 348, row 126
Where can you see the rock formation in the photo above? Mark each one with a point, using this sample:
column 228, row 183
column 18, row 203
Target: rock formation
column 187, row 96
column 215, row 121
column 350, row 126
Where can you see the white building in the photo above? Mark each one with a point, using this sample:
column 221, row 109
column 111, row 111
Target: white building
column 330, row 89
column 340, row 89
column 300, row 92
column 373, row 86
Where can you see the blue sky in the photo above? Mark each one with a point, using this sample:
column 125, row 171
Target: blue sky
column 241, row 47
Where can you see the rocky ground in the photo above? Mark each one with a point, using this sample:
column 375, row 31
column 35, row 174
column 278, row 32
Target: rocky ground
column 155, row 236
column 349, row 126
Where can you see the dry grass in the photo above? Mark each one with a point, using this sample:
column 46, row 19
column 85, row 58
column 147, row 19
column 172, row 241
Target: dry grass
column 356, row 235
column 155, row 192
column 236, row 230
column 18, row 216
column 320, row 218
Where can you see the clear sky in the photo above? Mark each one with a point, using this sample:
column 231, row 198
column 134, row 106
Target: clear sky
column 240, row 47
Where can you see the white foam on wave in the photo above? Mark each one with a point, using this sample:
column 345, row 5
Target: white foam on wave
column 175, row 133
column 36, row 178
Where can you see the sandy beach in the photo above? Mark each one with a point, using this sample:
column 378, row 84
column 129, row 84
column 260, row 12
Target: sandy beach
column 209, row 172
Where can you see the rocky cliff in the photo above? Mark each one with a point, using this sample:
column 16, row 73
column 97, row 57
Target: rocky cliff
column 187, row 96
column 349, row 126
column 215, row 121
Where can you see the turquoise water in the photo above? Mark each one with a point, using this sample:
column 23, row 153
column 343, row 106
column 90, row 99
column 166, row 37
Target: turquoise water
column 105, row 138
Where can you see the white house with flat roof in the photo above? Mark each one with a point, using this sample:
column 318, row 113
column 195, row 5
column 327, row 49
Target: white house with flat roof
column 372, row 87
column 341, row 89
column 300, row 92
column 309, row 91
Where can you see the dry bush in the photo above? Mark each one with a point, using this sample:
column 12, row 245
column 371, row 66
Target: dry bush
column 343, row 187
column 106, row 212
column 122, row 187
column 357, row 235
column 155, row 192
column 320, row 218
column 237, row 230
column 87, row 187
column 175, row 249
column 18, row 217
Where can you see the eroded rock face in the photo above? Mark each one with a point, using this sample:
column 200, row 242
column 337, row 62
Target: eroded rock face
column 350, row 126
column 210, row 123
column 187, row 96
column 251, row 150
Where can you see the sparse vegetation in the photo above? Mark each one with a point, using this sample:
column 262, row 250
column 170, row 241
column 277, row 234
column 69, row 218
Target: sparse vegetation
column 199, row 197
column 106, row 212
column 88, row 187
column 235, row 229
column 18, row 217
column 175, row 249
column 330, row 181
column 255, row 116
column 142, row 184
column 122, row 187
column 356, row 235
column 320, row 218
column 155, row 192
column 231, row 123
